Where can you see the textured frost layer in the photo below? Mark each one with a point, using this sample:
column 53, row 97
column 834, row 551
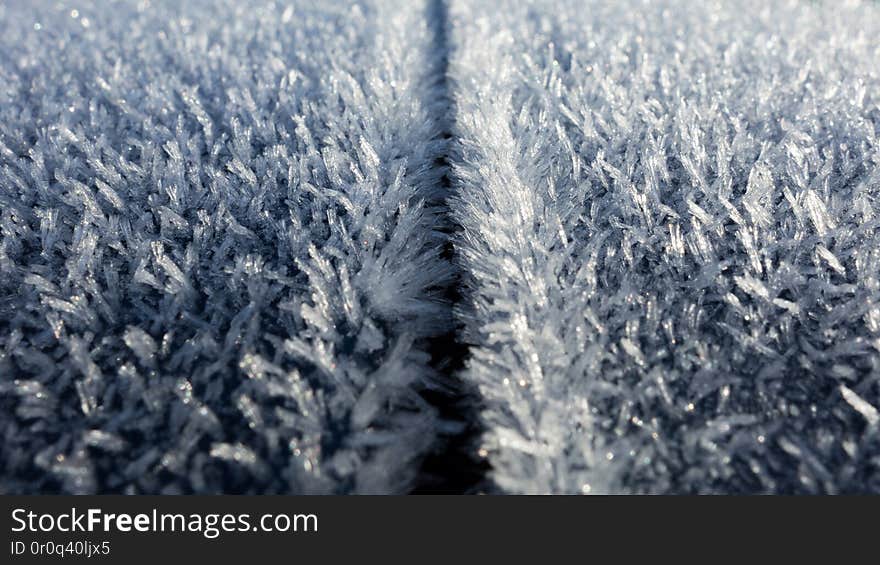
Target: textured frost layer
column 670, row 218
column 218, row 254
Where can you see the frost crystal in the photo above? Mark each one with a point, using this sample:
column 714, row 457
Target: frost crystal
column 224, row 229
column 669, row 219
column 219, row 256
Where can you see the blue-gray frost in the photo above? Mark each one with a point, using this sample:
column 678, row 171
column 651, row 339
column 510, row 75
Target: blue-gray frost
column 670, row 219
column 219, row 260
column 223, row 253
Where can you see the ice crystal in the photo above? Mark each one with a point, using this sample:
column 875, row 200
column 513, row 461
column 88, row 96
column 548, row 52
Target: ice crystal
column 223, row 260
column 669, row 219
column 218, row 249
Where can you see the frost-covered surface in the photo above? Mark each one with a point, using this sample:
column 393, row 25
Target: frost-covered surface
column 670, row 222
column 221, row 263
column 218, row 255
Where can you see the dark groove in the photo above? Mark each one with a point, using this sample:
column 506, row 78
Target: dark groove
column 454, row 466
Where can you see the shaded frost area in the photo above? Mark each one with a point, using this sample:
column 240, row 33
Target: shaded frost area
column 670, row 221
column 219, row 259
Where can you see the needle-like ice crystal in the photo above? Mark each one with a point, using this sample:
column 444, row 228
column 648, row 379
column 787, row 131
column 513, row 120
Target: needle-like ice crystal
column 219, row 260
column 670, row 219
